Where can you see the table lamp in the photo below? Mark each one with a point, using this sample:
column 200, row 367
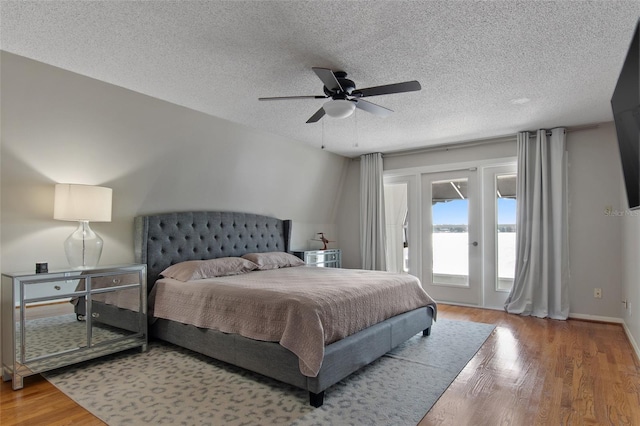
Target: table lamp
column 83, row 203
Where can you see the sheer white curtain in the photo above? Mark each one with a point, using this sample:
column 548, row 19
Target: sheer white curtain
column 540, row 286
column 395, row 210
column 372, row 223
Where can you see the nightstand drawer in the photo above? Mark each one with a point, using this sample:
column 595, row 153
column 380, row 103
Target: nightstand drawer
column 114, row 281
column 321, row 257
column 52, row 289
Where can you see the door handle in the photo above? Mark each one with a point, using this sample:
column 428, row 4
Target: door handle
column 475, row 244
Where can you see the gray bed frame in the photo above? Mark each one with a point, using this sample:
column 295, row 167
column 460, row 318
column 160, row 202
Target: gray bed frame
column 165, row 239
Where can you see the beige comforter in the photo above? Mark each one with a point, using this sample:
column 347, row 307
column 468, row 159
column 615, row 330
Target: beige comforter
column 303, row 308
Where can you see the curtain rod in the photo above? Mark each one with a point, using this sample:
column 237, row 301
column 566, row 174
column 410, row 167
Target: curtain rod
column 448, row 146
column 499, row 139
column 534, row 133
column 568, row 129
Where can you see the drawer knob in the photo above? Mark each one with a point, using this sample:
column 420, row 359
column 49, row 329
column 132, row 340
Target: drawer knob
column 95, row 315
column 57, row 287
column 116, row 280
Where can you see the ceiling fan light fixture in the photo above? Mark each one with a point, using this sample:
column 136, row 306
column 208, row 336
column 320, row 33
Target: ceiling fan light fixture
column 339, row 108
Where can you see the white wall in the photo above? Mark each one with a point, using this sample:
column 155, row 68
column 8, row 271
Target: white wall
column 631, row 274
column 594, row 239
column 595, row 250
column 58, row 126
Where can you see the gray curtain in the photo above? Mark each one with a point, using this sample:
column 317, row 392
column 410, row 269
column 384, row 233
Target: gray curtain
column 372, row 223
column 540, row 286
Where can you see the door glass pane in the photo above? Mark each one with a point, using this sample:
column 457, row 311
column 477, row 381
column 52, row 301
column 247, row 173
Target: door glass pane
column 505, row 230
column 450, row 237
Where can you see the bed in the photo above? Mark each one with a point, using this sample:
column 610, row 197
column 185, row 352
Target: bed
column 169, row 239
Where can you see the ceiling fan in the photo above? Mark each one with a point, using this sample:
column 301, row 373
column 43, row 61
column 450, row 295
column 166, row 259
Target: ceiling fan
column 345, row 98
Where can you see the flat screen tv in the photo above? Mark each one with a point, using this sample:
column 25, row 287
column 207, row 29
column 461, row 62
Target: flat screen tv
column 625, row 104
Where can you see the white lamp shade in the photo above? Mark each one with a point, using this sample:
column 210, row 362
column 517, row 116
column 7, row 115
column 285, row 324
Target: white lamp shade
column 82, row 202
column 339, row 108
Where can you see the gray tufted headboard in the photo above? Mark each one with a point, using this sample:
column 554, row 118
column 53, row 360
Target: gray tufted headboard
column 166, row 239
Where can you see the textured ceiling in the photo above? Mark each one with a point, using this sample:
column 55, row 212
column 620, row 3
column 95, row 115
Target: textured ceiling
column 477, row 62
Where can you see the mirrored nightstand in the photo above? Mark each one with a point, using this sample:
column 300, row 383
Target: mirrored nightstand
column 58, row 318
column 330, row 258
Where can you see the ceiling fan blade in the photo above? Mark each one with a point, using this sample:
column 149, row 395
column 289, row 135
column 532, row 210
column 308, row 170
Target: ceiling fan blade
column 328, row 78
column 378, row 110
column 317, row 116
column 280, row 98
column 388, row 89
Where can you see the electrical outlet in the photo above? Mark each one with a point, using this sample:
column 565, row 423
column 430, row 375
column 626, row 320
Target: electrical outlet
column 597, row 293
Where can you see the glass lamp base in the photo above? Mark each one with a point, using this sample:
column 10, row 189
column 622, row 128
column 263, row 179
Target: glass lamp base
column 83, row 247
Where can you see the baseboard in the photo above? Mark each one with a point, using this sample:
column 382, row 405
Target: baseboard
column 633, row 342
column 596, row 318
column 469, row 305
column 584, row 317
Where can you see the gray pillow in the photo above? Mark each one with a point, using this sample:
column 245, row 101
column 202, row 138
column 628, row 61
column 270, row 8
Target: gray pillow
column 200, row 269
column 273, row 260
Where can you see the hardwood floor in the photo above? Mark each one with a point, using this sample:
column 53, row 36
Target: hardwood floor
column 40, row 403
column 529, row 372
column 535, row 371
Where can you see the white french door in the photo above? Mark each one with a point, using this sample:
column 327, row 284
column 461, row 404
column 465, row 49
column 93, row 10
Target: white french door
column 455, row 230
column 451, row 249
column 499, row 230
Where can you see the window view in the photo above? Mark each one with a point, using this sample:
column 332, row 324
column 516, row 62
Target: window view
column 450, row 237
column 505, row 230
